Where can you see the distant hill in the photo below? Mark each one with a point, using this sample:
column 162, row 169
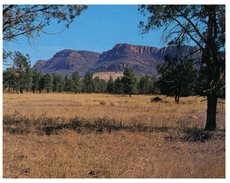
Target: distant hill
column 142, row 59
column 68, row 61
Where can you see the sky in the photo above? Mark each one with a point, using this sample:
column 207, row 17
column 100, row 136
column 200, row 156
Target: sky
column 97, row 29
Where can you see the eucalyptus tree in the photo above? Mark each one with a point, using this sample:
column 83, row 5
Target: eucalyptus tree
column 129, row 81
column 110, row 85
column 22, row 66
column 178, row 77
column 203, row 26
column 88, row 83
column 36, row 79
column 77, row 84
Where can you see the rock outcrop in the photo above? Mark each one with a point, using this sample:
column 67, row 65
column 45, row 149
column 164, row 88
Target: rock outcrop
column 68, row 61
column 142, row 59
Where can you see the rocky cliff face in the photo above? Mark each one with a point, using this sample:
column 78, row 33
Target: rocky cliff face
column 68, row 61
column 126, row 50
column 142, row 59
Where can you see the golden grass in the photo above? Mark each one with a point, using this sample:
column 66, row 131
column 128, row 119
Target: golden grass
column 119, row 107
column 118, row 154
column 70, row 154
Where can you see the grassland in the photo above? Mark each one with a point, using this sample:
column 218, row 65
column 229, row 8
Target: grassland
column 99, row 135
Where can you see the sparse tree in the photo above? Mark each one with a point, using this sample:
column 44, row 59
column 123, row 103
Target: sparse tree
column 146, row 85
column 41, row 84
column 110, row 85
column 100, row 85
column 58, row 83
column 36, row 79
column 118, row 86
column 22, row 65
column 68, row 84
column 204, row 25
column 48, row 82
column 129, row 81
column 77, row 84
column 10, row 79
column 177, row 77
column 88, row 83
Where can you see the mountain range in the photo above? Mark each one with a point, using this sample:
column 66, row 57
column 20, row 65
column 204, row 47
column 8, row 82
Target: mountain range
column 142, row 59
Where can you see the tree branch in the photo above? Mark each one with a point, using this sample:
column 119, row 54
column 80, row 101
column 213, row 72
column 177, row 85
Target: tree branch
column 181, row 25
column 192, row 24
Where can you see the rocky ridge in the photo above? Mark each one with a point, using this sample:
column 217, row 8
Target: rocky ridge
column 142, row 59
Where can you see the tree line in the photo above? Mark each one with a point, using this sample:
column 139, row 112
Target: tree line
column 22, row 78
column 177, row 77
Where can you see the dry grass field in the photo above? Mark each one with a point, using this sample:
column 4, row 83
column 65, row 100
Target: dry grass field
column 111, row 136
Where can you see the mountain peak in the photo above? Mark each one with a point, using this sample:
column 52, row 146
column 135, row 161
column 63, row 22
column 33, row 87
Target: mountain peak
column 142, row 59
column 67, row 61
column 66, row 52
column 136, row 48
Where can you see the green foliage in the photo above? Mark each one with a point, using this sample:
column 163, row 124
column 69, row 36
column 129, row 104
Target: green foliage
column 184, row 23
column 88, row 83
column 118, row 86
column 22, row 65
column 10, row 80
column 36, row 79
column 115, row 86
column 77, row 84
column 110, row 85
column 68, row 84
column 147, row 85
column 100, row 85
column 48, row 82
column 177, row 77
column 201, row 84
column 19, row 77
column 58, row 83
column 129, row 81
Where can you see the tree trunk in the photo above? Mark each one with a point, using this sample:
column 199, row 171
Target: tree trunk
column 211, row 112
column 177, row 97
column 213, row 70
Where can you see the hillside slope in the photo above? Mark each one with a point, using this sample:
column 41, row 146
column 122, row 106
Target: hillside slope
column 142, row 59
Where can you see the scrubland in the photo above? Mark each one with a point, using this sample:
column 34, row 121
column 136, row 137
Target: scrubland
column 111, row 136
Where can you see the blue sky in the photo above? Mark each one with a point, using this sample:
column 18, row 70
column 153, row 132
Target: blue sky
column 98, row 29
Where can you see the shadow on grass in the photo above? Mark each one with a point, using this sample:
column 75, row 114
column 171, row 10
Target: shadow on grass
column 194, row 134
column 18, row 124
